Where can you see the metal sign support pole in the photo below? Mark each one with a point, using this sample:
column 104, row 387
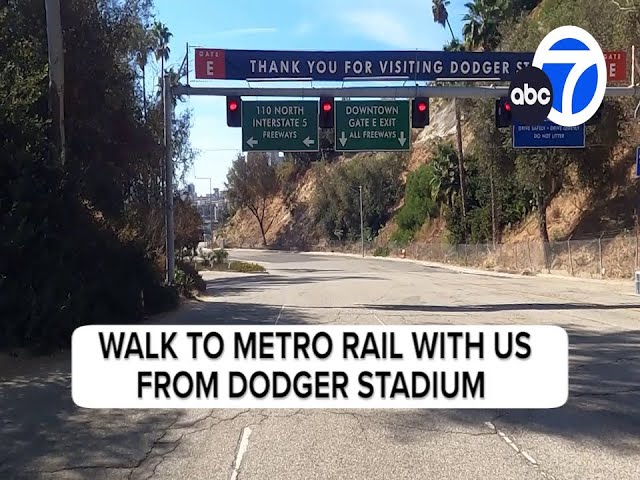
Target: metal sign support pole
column 168, row 158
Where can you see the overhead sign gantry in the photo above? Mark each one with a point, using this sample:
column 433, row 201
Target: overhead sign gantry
column 291, row 126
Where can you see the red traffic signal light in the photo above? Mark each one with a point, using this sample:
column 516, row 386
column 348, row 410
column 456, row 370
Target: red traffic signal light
column 234, row 118
column 326, row 118
column 419, row 112
column 503, row 113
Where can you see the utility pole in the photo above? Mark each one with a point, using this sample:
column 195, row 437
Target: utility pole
column 168, row 161
column 211, row 209
column 361, row 223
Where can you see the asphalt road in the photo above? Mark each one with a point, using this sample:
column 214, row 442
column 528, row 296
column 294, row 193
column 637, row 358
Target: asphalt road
column 596, row 435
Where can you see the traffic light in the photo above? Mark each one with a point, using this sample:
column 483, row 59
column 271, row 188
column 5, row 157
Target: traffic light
column 596, row 116
column 419, row 112
column 503, row 113
column 234, row 107
column 326, row 112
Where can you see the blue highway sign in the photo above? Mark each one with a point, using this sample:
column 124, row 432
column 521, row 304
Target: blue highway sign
column 638, row 162
column 548, row 135
column 342, row 65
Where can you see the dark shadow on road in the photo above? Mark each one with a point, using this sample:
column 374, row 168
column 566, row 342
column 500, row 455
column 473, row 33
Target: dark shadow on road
column 235, row 285
column 308, row 270
column 213, row 312
column 42, row 430
column 500, row 307
column 603, row 406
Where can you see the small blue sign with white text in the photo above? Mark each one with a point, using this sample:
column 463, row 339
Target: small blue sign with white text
column 548, row 135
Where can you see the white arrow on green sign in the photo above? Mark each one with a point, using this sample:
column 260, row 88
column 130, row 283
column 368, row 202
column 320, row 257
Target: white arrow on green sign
column 283, row 126
column 372, row 125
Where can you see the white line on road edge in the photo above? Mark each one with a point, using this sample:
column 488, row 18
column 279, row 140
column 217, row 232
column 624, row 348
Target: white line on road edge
column 278, row 319
column 242, row 448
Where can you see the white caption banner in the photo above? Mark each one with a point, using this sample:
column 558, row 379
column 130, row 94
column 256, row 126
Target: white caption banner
column 225, row 374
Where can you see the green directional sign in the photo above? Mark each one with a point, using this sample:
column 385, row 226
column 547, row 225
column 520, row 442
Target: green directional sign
column 372, row 125
column 283, row 126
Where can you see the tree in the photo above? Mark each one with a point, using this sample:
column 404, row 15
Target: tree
column 95, row 223
column 252, row 183
column 441, row 15
column 337, row 202
column 487, row 147
column 145, row 48
column 55, row 50
column 444, row 183
column 543, row 174
column 161, row 36
column 188, row 225
column 419, row 204
column 481, row 24
column 455, row 46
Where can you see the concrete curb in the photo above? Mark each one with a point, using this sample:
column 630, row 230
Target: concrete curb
column 444, row 266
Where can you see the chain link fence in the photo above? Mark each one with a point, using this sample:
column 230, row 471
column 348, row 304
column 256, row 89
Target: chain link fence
column 614, row 258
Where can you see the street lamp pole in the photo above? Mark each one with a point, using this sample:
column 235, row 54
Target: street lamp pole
column 210, row 209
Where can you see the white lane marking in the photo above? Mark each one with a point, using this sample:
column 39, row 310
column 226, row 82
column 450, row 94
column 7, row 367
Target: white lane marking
column 377, row 317
column 509, row 442
column 280, row 313
column 242, row 448
column 529, row 457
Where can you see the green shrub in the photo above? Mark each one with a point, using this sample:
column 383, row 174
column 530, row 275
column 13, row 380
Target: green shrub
column 382, row 251
column 188, row 279
column 220, row 256
column 402, row 236
column 419, row 204
column 247, row 267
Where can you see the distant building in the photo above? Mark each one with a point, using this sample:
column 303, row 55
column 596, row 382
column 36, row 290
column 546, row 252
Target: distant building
column 189, row 193
column 211, row 207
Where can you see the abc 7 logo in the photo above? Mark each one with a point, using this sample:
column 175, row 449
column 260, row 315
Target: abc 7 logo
column 531, row 96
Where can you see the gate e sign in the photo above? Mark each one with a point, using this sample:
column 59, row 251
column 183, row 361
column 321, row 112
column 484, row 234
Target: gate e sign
column 372, row 126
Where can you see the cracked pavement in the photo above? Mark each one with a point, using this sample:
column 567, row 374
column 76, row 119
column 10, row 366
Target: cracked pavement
column 596, row 435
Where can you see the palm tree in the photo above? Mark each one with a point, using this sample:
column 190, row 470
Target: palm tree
column 481, row 31
column 161, row 36
column 481, row 24
column 145, row 47
column 443, row 183
column 441, row 17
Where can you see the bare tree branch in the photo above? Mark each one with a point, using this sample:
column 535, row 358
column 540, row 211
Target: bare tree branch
column 624, row 9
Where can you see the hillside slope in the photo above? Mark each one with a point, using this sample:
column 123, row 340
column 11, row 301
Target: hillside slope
column 575, row 212
column 293, row 223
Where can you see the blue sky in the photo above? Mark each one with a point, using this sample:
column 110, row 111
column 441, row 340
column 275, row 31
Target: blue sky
column 285, row 25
